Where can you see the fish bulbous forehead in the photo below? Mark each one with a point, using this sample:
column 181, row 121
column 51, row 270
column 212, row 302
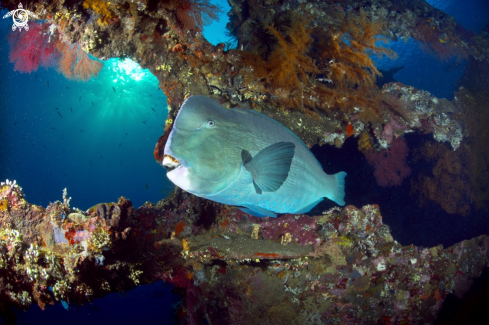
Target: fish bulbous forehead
column 198, row 109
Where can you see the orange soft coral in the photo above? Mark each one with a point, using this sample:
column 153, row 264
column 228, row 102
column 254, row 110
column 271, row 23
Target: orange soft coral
column 317, row 69
column 101, row 8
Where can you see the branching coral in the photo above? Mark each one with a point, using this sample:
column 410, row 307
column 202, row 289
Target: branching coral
column 318, row 69
column 75, row 63
column 32, row 48
column 192, row 14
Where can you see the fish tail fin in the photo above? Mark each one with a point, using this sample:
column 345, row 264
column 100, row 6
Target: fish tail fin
column 337, row 188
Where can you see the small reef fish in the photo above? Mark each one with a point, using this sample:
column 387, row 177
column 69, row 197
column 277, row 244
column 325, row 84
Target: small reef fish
column 47, row 83
column 56, row 108
column 93, row 104
column 71, row 109
column 153, row 109
column 65, row 305
column 144, row 122
column 82, row 131
column 79, row 99
column 243, row 158
column 113, row 89
column 59, row 114
column 126, row 134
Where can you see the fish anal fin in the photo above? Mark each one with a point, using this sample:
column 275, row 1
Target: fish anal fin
column 257, row 211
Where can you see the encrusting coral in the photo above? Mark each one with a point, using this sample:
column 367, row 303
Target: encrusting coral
column 448, row 184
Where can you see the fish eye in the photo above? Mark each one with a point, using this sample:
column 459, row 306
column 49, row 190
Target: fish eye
column 211, row 123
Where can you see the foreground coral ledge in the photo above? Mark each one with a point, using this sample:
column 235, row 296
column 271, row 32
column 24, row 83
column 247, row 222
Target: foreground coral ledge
column 228, row 267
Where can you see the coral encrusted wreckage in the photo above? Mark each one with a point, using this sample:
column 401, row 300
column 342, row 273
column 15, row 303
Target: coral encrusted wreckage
column 305, row 63
column 341, row 266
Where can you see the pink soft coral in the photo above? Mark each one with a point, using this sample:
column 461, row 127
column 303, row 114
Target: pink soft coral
column 390, row 165
column 29, row 49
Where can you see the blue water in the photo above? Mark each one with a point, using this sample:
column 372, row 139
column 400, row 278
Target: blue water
column 88, row 152
column 73, row 134
column 145, row 304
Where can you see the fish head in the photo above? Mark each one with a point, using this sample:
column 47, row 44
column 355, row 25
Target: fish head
column 198, row 152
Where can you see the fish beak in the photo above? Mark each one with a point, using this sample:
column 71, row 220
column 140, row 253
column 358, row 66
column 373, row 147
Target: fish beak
column 170, row 163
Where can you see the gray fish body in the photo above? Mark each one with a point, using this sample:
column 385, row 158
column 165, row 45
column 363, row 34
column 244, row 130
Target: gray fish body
column 212, row 162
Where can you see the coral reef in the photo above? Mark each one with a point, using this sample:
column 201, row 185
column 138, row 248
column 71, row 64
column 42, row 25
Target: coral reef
column 390, row 165
column 32, row 48
column 448, row 184
column 192, row 14
column 38, row 46
column 75, row 64
column 312, row 69
column 473, row 98
column 306, row 64
column 458, row 179
column 340, row 265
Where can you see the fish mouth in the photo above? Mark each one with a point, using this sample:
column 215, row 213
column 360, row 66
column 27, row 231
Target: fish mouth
column 170, row 163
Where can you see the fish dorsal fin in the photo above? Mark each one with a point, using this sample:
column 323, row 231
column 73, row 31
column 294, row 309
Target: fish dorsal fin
column 270, row 167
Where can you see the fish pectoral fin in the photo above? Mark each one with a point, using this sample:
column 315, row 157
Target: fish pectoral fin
column 257, row 211
column 270, row 167
column 257, row 188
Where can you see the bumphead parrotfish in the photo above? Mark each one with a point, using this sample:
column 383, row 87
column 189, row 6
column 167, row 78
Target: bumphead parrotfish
column 243, row 158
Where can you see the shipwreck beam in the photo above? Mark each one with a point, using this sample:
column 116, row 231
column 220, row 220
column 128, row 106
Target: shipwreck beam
column 343, row 264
